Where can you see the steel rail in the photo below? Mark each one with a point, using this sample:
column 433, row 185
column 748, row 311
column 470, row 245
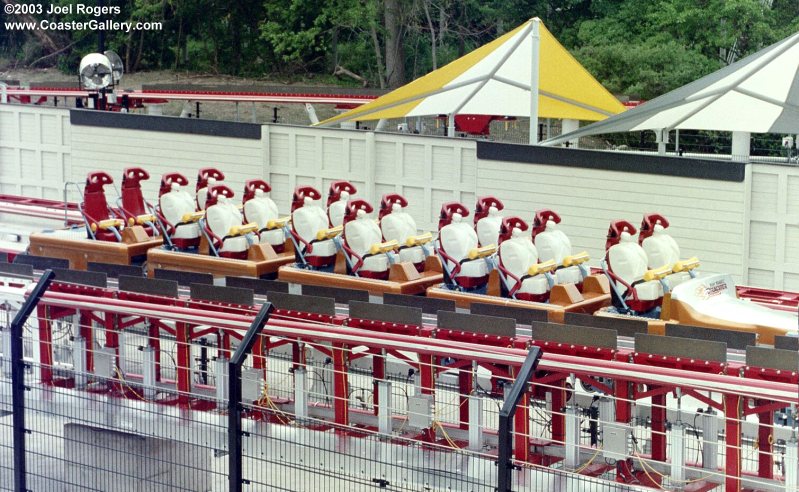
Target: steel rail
column 310, row 331
column 199, row 96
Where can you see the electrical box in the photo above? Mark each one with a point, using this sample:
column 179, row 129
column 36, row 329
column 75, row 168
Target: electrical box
column 251, row 384
column 420, row 411
column 615, row 439
column 105, row 362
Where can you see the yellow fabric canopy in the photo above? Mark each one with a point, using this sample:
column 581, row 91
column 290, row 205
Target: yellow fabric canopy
column 495, row 80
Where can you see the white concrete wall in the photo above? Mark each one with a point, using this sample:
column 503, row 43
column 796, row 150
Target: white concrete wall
column 426, row 170
column 35, row 144
column 774, row 227
column 707, row 217
column 749, row 229
column 114, row 149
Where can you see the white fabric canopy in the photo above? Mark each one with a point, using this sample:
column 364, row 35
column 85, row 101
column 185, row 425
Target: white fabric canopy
column 759, row 94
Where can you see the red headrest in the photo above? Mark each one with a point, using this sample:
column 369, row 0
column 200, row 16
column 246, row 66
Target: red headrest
column 336, row 187
column 205, row 173
column 254, row 184
column 484, row 203
column 351, row 212
column 215, row 192
column 648, row 225
column 388, row 201
column 96, row 180
column 615, row 230
column 447, row 211
column 507, row 226
column 300, row 193
column 132, row 175
column 168, row 179
column 540, row 220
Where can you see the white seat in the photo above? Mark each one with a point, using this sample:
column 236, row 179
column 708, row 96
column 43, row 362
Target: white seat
column 221, row 218
column 518, row 254
column 487, row 228
column 176, row 204
column 202, row 193
column 309, row 219
column 554, row 245
column 628, row 261
column 399, row 226
column 662, row 250
column 261, row 209
column 458, row 239
column 361, row 234
column 337, row 209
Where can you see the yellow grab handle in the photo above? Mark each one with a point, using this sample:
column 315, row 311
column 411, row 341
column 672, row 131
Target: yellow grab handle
column 419, row 239
column 657, row 273
column 686, row 265
column 482, row 252
column 576, row 259
column 108, row 223
column 329, row 233
column 544, row 267
column 383, row 247
column 278, row 223
column 242, row 229
column 141, row 219
column 192, row 217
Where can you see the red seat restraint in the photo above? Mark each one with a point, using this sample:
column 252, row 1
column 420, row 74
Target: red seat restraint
column 133, row 203
column 95, row 207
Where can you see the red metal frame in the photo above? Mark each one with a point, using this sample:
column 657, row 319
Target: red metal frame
column 635, row 375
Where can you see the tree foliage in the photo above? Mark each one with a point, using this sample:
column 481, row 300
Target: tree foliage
column 633, row 47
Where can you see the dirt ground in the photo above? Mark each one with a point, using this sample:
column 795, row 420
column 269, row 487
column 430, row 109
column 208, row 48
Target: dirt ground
column 264, row 113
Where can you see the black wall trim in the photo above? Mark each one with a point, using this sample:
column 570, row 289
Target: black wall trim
column 170, row 124
column 613, row 161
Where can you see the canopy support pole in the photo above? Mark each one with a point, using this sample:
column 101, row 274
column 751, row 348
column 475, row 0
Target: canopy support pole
column 741, row 146
column 535, row 37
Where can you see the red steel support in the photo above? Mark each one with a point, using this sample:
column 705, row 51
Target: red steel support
column 258, row 360
column 521, row 429
column 765, row 443
column 623, row 403
column 427, row 374
column 732, row 442
column 111, row 333
column 659, row 427
column 45, row 343
column 558, row 416
column 182, row 334
column 341, row 392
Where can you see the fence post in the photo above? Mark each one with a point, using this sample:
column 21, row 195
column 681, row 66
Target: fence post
column 504, row 436
column 18, row 379
column 234, row 432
